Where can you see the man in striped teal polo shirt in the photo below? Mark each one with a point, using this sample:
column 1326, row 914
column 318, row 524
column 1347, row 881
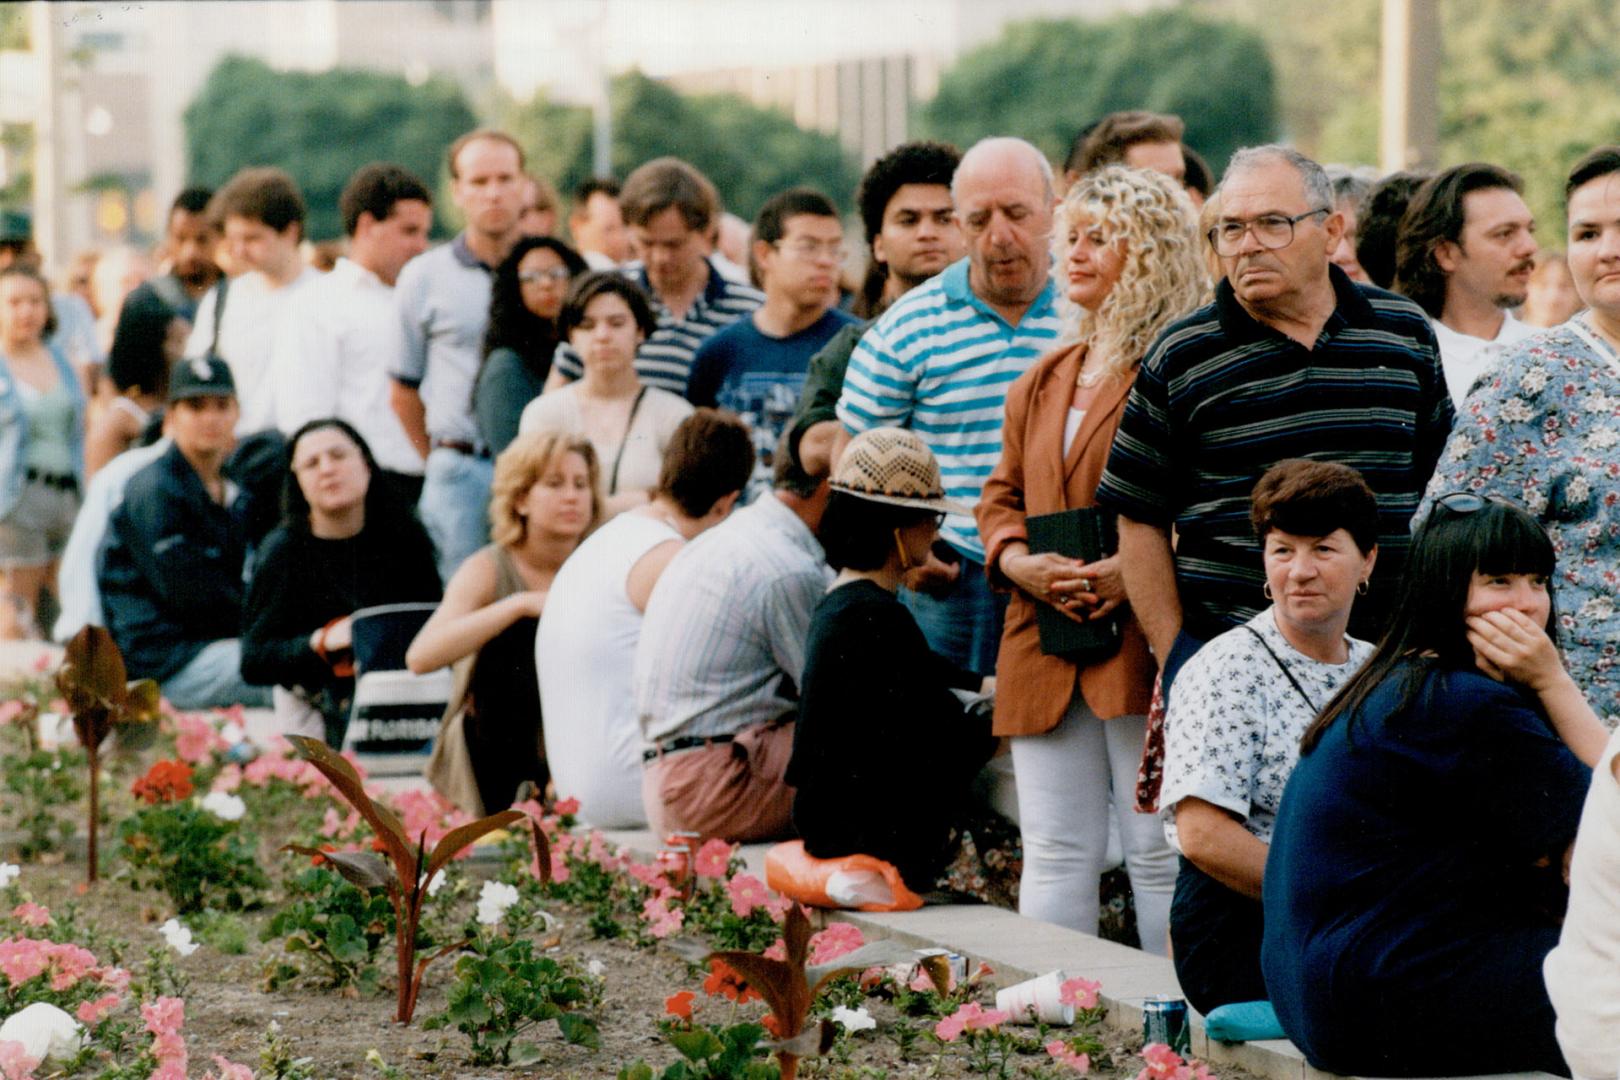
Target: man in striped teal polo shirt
column 1291, row 360
column 939, row 362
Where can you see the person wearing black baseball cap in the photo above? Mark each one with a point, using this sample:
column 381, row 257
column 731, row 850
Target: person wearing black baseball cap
column 171, row 569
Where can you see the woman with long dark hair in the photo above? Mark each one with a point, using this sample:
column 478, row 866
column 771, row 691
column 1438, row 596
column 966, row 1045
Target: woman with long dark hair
column 1414, row 887
column 525, row 299
column 343, row 544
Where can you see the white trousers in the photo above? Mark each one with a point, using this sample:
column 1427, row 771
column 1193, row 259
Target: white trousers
column 1064, row 780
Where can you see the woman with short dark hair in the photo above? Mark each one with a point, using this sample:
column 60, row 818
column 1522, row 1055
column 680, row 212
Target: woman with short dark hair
column 1414, row 882
column 1241, row 703
column 606, row 318
column 878, row 715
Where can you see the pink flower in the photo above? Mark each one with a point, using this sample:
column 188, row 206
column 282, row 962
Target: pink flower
column 195, row 738
column 920, row 982
column 116, row 979
column 839, row 938
column 566, row 807
column 171, row 1069
column 10, row 710
column 970, row 1017
column 165, row 1016
column 22, row 959
column 91, row 1012
column 41, row 663
column 15, row 1063
column 228, row 780
column 72, row 963
column 1163, row 1063
column 777, row 907
column 646, row 873
column 559, row 867
column 1064, row 1054
column 713, row 859
column 31, row 914
column 230, row 1070
column 1081, row 993
column 777, row 951
column 747, row 893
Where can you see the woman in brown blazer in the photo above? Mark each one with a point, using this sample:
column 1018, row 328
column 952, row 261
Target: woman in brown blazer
column 1127, row 246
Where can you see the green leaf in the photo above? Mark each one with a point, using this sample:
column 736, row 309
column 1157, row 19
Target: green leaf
column 697, row 1044
column 639, row 1071
column 525, row 1053
column 580, row 1030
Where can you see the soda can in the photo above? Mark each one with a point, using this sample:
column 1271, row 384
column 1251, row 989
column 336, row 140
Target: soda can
column 1164, row 1020
column 691, row 841
column 675, row 863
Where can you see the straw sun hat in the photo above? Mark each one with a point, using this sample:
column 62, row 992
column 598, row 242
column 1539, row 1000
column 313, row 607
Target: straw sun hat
column 892, row 465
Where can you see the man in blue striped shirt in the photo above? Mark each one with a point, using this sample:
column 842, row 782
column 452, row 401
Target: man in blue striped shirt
column 939, row 362
column 1292, row 360
column 670, row 209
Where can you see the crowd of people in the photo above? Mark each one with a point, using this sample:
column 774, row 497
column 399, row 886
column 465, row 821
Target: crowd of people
column 1262, row 533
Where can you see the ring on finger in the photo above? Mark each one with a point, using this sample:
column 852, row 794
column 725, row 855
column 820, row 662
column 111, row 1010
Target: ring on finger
column 1085, row 584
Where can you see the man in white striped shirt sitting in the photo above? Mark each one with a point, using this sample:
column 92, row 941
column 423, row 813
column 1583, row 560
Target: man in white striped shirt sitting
column 940, row 361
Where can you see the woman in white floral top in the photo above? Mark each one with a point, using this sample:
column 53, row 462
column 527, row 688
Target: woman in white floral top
column 1543, row 430
column 1241, row 704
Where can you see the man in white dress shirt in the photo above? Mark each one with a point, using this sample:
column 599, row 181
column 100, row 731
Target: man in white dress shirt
column 1465, row 251
column 262, row 216
column 332, row 355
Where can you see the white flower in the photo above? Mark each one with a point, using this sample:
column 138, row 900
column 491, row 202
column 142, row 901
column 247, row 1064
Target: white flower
column 597, row 968
column 1603, row 438
column 853, row 1019
column 1516, row 410
column 224, row 805
column 436, row 884
column 178, row 936
column 1578, row 488
column 493, row 901
column 44, row 1030
column 9, row 872
column 232, row 733
column 1534, row 381
column 1461, row 447
column 1596, row 609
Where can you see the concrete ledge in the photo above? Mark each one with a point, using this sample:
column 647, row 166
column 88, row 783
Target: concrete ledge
column 1018, row 948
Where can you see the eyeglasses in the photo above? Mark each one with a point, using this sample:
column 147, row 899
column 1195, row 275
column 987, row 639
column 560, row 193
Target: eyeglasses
column 1271, row 231
column 810, row 250
column 534, row 277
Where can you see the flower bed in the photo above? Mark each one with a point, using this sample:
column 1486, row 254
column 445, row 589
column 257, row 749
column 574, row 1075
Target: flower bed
column 210, row 949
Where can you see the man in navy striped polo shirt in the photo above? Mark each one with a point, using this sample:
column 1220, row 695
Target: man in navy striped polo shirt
column 670, row 209
column 940, row 361
column 1291, row 360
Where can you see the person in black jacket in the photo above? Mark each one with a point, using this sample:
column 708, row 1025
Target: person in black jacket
column 880, row 723
column 170, row 570
column 344, row 543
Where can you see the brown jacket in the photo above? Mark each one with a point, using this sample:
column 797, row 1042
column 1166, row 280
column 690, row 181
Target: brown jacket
column 1034, row 478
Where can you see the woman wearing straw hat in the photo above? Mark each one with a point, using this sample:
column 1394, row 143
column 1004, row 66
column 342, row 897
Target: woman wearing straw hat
column 879, row 723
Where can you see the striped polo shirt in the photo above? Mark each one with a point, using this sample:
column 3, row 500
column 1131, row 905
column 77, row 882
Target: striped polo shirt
column 939, row 362
column 665, row 359
column 1221, row 397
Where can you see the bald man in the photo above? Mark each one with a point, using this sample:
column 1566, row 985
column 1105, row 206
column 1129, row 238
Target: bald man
column 940, row 361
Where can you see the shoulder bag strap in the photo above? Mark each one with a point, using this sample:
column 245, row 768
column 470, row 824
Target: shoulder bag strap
column 1289, row 675
column 635, row 407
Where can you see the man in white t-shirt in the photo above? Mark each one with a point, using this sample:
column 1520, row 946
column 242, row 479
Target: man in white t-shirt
column 262, row 215
column 1465, row 251
column 332, row 356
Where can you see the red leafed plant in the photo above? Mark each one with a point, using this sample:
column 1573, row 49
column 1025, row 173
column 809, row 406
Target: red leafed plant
column 165, row 781
column 403, row 868
column 92, row 680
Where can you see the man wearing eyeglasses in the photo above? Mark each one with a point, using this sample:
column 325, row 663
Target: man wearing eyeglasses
column 1291, row 360
column 756, row 366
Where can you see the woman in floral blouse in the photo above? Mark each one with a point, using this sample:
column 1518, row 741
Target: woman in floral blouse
column 1240, row 706
column 1543, row 430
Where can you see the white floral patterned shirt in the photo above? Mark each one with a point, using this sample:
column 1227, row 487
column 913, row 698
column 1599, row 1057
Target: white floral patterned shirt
column 1543, row 430
column 1234, row 721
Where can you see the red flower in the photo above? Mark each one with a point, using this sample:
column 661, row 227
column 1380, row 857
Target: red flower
column 725, row 982
column 679, row 1005
column 772, row 1025
column 165, row 781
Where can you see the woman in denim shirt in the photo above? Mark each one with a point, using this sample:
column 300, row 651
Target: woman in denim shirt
column 41, row 440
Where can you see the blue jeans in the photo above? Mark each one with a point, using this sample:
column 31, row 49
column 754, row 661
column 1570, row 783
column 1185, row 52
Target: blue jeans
column 455, row 505
column 964, row 625
column 213, row 680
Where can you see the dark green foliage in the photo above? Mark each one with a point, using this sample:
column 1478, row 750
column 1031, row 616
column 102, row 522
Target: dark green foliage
column 330, row 930
column 1043, row 80
column 502, row 990
column 196, row 858
column 320, row 128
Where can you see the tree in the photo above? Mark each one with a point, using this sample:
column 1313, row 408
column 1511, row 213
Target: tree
column 750, row 152
column 320, row 128
column 1045, row 79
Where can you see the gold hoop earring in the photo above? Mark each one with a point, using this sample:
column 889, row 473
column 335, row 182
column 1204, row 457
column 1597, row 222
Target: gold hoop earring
column 1265, row 590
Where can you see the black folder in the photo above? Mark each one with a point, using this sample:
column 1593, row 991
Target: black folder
column 1087, row 534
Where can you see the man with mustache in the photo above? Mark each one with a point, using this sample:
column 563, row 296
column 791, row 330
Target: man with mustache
column 1464, row 252
column 1291, row 360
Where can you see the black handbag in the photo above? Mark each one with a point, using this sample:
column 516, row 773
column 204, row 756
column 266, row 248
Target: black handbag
column 1088, row 534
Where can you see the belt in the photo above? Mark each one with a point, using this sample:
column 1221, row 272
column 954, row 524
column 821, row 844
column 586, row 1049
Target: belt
column 59, row 481
column 684, row 742
column 460, row 446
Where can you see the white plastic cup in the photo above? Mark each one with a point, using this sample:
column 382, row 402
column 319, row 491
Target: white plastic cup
column 1037, row 1000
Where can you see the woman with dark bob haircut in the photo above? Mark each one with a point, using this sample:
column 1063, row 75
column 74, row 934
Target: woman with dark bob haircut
column 343, row 544
column 606, row 318
column 1242, row 702
column 877, row 711
column 526, row 297
column 1414, row 884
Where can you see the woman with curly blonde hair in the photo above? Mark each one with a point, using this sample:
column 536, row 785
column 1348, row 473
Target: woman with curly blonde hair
column 545, row 497
column 1132, row 265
